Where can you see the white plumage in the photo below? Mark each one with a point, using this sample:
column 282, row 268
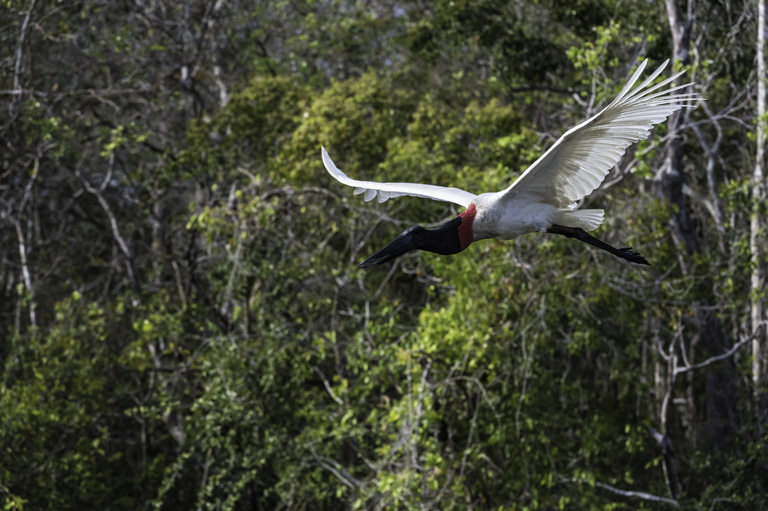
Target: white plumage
column 384, row 191
column 546, row 194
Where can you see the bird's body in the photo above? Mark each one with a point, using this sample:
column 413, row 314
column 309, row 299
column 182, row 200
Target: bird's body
column 544, row 197
column 505, row 218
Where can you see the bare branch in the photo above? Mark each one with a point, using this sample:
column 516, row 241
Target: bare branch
column 467, row 448
column 419, row 407
column 757, row 229
column 27, row 278
column 712, row 150
column 637, row 494
column 23, row 249
column 327, row 386
column 20, row 47
column 96, row 93
column 717, row 358
column 290, row 191
column 671, row 464
column 626, row 493
column 115, row 229
column 236, row 256
column 336, row 469
column 712, row 206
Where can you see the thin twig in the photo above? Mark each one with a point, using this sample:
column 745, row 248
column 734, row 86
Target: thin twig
column 328, row 386
column 20, row 47
column 336, row 469
column 121, row 243
column 419, row 407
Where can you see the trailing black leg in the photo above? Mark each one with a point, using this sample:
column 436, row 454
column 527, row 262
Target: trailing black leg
column 581, row 235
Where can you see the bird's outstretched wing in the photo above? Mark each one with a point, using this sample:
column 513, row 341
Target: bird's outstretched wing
column 384, row 191
column 579, row 161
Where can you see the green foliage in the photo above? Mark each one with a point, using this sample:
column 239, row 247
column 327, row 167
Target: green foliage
column 251, row 365
column 61, row 405
column 593, row 54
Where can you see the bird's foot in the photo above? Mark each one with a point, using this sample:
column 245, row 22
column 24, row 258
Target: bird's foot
column 632, row 256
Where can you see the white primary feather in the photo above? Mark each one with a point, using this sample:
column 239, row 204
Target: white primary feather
column 384, row 191
column 579, row 161
column 575, row 165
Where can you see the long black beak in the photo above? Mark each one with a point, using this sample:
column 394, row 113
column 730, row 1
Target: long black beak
column 443, row 240
column 403, row 244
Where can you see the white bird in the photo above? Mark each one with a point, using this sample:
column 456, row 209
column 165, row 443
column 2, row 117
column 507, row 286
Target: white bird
column 544, row 197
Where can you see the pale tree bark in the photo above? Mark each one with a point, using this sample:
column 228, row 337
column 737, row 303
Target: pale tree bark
column 130, row 264
column 670, row 180
column 671, row 177
column 757, row 234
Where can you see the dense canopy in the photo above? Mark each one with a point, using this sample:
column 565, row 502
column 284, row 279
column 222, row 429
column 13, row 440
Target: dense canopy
column 183, row 324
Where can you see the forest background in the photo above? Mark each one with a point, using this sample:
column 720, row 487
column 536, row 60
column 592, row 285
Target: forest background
column 182, row 324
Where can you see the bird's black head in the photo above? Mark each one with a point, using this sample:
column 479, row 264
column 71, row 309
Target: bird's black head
column 445, row 240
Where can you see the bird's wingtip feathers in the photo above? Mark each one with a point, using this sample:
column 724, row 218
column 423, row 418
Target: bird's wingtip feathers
column 329, row 165
column 326, row 157
column 333, row 170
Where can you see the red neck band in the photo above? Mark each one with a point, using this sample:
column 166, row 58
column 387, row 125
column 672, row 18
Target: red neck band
column 465, row 229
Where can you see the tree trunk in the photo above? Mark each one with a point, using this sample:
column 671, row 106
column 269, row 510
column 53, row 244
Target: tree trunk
column 720, row 380
column 756, row 234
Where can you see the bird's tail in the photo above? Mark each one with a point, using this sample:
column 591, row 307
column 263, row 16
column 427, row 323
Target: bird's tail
column 587, row 219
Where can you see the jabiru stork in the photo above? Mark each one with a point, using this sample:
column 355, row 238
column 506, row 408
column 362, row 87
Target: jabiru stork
column 544, row 197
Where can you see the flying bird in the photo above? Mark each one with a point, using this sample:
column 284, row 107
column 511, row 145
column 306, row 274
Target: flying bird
column 544, row 197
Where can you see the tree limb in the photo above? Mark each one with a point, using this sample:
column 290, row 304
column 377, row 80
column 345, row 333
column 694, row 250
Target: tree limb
column 717, row 358
column 336, row 469
column 129, row 264
column 637, row 494
column 328, row 386
column 20, row 47
column 627, row 493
